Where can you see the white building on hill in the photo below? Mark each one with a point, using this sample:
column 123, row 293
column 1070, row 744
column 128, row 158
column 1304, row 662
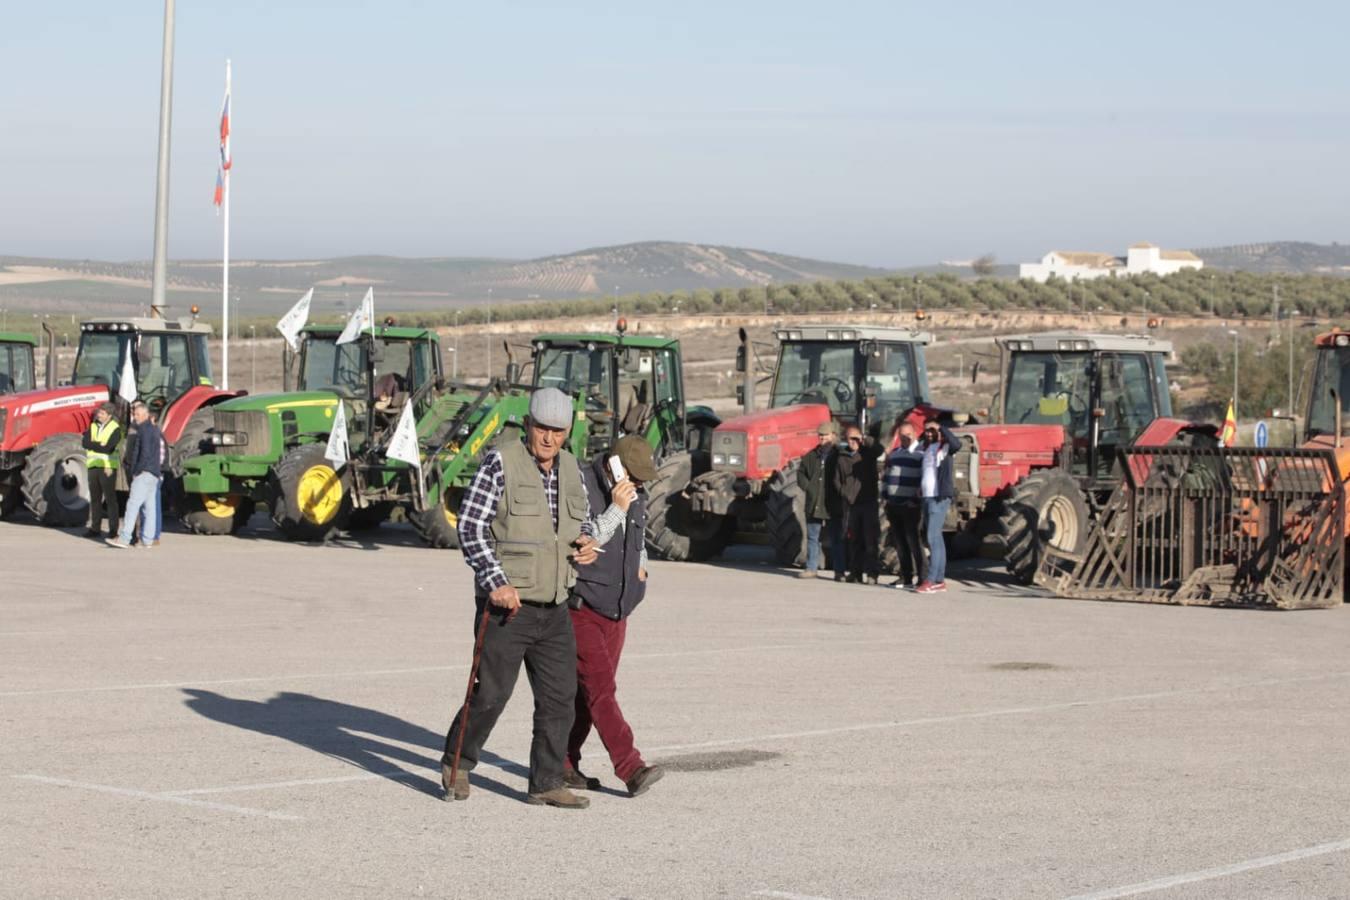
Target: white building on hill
column 1140, row 258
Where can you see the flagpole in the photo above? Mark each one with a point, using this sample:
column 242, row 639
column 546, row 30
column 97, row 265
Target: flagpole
column 225, row 259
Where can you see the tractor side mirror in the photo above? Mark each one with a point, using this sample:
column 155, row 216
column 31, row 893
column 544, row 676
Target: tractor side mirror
column 876, row 359
column 376, row 352
column 740, row 358
column 740, row 395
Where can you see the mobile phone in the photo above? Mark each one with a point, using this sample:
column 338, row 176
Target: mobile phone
column 616, row 469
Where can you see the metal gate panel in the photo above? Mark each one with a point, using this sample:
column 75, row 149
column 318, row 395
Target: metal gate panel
column 1241, row 526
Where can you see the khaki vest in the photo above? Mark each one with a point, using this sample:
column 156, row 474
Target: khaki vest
column 532, row 554
column 100, row 433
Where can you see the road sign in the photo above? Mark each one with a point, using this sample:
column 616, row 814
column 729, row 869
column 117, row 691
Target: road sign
column 1262, row 437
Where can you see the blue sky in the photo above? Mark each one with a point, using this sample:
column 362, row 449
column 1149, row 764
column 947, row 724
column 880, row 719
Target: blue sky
column 885, row 133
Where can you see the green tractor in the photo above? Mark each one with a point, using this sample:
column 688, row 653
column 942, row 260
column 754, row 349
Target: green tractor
column 16, row 363
column 269, row 448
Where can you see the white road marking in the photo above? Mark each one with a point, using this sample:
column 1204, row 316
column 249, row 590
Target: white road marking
column 991, row 713
column 299, row 782
column 787, row 895
column 1262, row 862
column 421, row 670
column 163, row 798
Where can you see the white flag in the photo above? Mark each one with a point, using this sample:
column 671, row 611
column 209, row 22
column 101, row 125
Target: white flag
column 404, row 446
column 362, row 319
column 293, row 321
column 126, row 382
column 338, row 445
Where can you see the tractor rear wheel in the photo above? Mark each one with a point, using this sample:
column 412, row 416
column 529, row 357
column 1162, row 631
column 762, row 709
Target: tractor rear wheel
column 438, row 525
column 785, row 517
column 56, row 482
column 674, row 531
column 308, row 500
column 1046, row 508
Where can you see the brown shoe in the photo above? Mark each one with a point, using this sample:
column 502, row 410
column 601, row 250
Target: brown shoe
column 575, row 780
column 560, row 797
column 644, row 778
column 461, row 789
column 807, row 573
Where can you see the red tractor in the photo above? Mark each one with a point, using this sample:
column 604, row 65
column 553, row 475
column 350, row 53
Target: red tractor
column 1069, row 403
column 42, row 462
column 745, row 482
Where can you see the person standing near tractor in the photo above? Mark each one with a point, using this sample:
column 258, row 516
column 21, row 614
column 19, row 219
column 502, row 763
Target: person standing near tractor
column 857, row 478
column 143, row 468
column 101, row 444
column 815, row 476
column 525, row 508
column 938, row 486
column 606, row 593
column 904, row 506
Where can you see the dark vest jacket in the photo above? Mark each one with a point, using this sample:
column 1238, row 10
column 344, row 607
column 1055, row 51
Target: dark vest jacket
column 610, row 585
column 533, row 554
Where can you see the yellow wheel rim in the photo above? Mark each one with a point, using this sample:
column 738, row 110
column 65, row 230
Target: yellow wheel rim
column 221, row 506
column 319, row 494
column 451, row 517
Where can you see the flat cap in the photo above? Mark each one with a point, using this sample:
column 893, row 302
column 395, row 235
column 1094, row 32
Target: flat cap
column 636, row 455
column 827, row 428
column 551, row 408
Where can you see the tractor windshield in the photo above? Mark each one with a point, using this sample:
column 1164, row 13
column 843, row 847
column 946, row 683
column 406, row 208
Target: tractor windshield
column 162, row 363
column 16, row 368
column 576, row 370
column 100, row 357
column 1332, row 373
column 1050, row 389
column 817, row 372
column 329, row 366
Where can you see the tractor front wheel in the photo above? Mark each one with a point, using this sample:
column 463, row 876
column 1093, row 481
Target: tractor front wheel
column 1046, row 508
column 214, row 514
column 438, row 525
column 308, row 501
column 674, row 531
column 56, row 482
column 785, row 517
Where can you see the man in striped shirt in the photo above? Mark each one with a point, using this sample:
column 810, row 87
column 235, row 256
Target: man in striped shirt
column 904, row 508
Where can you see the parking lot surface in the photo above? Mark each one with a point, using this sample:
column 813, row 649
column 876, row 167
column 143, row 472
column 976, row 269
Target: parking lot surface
column 243, row 717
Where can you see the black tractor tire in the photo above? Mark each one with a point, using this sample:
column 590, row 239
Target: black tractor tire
column 11, row 495
column 203, row 514
column 1046, row 507
column 56, row 482
column 673, row 530
column 785, row 517
column 437, row 525
column 308, row 501
column 369, row 518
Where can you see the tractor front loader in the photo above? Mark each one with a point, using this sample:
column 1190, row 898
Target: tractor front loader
column 1237, row 526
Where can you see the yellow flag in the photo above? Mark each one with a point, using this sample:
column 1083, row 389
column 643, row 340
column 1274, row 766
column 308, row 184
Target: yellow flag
column 1228, row 433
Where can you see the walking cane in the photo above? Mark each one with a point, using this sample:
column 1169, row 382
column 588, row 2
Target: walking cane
column 468, row 693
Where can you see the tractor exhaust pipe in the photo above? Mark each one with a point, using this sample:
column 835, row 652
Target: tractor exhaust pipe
column 512, row 367
column 743, row 365
column 50, row 368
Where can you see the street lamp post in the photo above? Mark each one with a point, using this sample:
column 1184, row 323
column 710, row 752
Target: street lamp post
column 1234, row 333
column 487, row 337
column 253, row 358
column 454, row 372
column 960, row 366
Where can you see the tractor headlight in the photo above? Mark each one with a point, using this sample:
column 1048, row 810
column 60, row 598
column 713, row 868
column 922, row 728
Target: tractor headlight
column 735, row 459
column 719, row 459
column 1343, row 340
column 230, row 439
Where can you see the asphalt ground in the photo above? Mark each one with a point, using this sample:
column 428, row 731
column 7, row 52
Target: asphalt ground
column 240, row 717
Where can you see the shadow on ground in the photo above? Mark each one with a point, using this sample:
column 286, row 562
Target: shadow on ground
column 365, row 738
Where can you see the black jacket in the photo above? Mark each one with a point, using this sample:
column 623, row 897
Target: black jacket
column 610, row 585
column 815, row 476
column 946, row 472
column 858, row 475
column 144, row 451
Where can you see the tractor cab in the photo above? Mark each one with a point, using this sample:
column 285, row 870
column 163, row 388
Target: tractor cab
column 17, row 373
column 1102, row 390
column 375, row 374
column 168, row 358
column 631, row 385
column 864, row 375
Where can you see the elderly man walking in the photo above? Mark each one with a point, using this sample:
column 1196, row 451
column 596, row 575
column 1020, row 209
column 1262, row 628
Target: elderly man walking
column 524, row 512
column 606, row 593
column 143, row 468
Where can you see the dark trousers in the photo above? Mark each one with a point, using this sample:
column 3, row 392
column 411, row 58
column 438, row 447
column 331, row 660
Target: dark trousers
column 103, row 499
column 599, row 646
column 906, row 521
column 864, row 539
column 541, row 637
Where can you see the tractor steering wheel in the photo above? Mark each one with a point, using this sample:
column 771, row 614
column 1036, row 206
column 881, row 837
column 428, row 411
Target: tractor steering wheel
column 843, row 393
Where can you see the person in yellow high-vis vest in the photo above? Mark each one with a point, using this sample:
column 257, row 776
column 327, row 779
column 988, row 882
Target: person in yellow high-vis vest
column 102, row 457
